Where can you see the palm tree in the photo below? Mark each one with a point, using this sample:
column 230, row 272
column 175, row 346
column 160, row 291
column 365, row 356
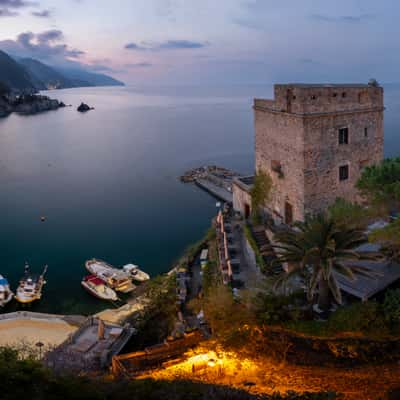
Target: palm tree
column 316, row 249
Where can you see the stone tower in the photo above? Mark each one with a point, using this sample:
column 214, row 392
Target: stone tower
column 314, row 141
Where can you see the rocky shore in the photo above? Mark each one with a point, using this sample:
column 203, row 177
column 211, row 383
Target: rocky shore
column 27, row 104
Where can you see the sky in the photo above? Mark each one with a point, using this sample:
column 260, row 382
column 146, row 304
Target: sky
column 210, row 41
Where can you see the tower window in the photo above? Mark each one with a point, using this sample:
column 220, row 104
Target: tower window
column 334, row 95
column 343, row 172
column 344, row 94
column 313, row 97
column 343, row 135
column 365, row 132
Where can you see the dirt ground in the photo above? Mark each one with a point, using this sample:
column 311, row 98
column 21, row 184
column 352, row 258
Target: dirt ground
column 267, row 376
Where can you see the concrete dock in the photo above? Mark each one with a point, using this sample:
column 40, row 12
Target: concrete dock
column 217, row 191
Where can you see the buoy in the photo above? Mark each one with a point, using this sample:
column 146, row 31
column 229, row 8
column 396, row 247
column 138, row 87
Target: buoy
column 43, row 219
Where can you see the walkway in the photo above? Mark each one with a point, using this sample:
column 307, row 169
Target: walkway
column 217, row 191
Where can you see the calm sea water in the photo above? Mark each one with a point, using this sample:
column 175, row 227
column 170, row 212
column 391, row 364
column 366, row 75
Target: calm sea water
column 107, row 180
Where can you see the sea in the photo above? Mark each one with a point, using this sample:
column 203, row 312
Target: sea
column 107, row 181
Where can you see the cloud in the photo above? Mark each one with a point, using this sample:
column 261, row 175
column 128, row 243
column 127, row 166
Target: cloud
column 52, row 35
column 8, row 7
column 5, row 12
column 167, row 45
column 139, row 65
column 352, row 19
column 41, row 14
column 132, row 46
column 308, row 61
column 16, row 3
column 43, row 45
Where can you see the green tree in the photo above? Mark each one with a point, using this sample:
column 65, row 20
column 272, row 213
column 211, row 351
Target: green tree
column 260, row 192
column 316, row 249
column 389, row 236
column 352, row 215
column 380, row 184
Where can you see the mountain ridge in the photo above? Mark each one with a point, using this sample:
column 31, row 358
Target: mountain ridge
column 29, row 75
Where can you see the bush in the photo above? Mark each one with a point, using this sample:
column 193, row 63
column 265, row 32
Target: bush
column 359, row 317
column 349, row 214
column 274, row 309
column 391, row 308
column 159, row 316
column 260, row 193
column 365, row 318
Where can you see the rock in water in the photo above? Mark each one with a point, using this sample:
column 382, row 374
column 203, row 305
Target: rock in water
column 84, row 107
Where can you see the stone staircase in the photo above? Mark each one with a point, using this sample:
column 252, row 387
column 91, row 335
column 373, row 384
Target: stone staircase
column 266, row 249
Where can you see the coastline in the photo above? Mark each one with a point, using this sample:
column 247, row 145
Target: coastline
column 27, row 104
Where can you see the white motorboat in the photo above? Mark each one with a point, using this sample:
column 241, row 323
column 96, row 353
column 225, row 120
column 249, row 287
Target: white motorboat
column 114, row 278
column 6, row 294
column 136, row 273
column 30, row 286
column 98, row 288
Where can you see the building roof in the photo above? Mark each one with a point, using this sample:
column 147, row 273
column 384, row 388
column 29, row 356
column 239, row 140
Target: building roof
column 365, row 287
column 326, row 85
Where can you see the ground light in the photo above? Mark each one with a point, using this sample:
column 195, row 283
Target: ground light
column 213, row 365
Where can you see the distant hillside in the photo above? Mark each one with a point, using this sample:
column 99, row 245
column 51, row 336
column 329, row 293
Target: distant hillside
column 43, row 76
column 28, row 74
column 13, row 74
column 79, row 77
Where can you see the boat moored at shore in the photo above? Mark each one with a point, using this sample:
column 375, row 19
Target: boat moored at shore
column 114, row 278
column 135, row 273
column 98, row 288
column 30, row 286
column 6, row 294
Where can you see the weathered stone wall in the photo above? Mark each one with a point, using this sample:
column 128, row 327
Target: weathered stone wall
column 241, row 198
column 279, row 137
column 324, row 155
column 299, row 133
column 305, row 99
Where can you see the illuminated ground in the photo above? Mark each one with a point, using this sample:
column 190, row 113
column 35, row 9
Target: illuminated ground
column 266, row 376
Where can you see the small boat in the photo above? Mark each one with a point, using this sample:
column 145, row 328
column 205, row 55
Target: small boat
column 98, row 288
column 136, row 273
column 6, row 294
column 30, row 286
column 114, row 278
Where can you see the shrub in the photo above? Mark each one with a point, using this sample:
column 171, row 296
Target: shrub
column 366, row 318
column 349, row 214
column 260, row 193
column 391, row 308
column 358, row 317
column 274, row 309
column 159, row 315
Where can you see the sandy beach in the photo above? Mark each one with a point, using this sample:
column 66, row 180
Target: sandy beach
column 30, row 331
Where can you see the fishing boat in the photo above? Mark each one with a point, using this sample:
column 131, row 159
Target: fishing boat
column 114, row 278
column 98, row 288
column 6, row 294
column 135, row 273
column 30, row 286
